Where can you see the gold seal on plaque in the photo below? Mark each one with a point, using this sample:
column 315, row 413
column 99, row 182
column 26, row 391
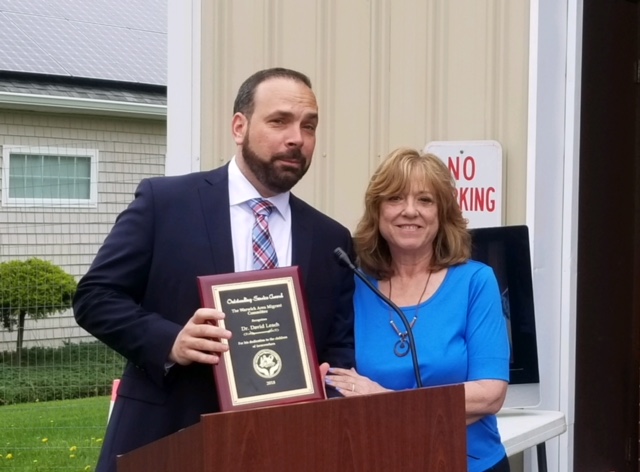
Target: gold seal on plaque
column 267, row 363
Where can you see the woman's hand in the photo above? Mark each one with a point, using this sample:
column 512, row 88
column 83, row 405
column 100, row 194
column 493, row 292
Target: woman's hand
column 348, row 382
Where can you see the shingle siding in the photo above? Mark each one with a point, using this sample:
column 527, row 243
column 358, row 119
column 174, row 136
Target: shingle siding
column 129, row 150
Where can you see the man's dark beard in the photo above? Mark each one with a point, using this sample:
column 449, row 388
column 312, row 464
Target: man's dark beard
column 276, row 180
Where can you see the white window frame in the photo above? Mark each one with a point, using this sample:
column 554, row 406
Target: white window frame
column 91, row 202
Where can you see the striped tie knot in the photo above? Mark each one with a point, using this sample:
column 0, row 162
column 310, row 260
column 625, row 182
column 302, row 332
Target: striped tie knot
column 261, row 207
column 264, row 253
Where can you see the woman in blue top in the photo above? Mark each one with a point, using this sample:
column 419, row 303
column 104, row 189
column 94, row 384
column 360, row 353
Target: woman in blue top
column 413, row 244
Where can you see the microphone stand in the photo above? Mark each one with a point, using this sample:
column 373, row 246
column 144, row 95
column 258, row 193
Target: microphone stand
column 344, row 259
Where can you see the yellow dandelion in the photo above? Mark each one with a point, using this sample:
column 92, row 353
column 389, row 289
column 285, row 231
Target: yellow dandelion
column 72, row 456
column 35, row 461
column 45, row 440
column 9, row 456
column 87, row 468
column 99, row 440
column 73, row 448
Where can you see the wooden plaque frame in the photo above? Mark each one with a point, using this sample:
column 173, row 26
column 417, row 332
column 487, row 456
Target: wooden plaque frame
column 271, row 358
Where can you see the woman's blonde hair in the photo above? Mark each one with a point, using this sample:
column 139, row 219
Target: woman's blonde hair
column 395, row 174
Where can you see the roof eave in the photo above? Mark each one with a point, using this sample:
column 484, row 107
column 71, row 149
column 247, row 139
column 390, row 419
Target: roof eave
column 49, row 103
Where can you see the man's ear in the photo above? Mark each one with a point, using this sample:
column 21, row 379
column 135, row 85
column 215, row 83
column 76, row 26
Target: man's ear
column 239, row 126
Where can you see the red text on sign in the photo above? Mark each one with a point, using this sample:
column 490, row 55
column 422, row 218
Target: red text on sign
column 476, row 198
column 468, row 166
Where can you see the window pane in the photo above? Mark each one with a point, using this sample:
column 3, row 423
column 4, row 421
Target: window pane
column 18, row 163
column 33, row 187
column 66, row 166
column 83, row 167
column 50, row 166
column 49, row 188
column 50, row 177
column 16, row 176
column 34, row 166
column 83, row 189
column 17, row 188
column 67, row 188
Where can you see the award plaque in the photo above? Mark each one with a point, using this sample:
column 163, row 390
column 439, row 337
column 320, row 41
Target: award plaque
column 271, row 358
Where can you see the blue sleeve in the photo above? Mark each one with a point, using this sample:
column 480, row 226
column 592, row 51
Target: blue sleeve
column 487, row 339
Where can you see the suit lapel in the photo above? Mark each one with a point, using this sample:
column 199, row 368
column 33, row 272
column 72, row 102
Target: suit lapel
column 301, row 236
column 214, row 200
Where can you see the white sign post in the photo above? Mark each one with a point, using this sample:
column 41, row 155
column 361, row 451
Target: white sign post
column 477, row 168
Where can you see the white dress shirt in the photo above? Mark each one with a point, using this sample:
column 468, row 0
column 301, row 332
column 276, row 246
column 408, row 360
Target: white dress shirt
column 243, row 219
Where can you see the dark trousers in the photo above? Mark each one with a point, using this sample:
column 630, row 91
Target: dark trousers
column 502, row 466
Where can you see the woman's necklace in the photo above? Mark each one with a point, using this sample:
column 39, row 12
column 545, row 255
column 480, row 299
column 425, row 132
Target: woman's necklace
column 401, row 347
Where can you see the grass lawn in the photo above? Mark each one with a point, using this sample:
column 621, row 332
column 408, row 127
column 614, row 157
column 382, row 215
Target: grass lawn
column 52, row 436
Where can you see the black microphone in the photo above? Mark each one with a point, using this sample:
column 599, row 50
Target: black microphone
column 343, row 259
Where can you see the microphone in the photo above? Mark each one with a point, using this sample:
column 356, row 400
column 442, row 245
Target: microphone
column 344, row 260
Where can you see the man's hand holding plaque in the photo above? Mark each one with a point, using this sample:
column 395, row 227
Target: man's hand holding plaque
column 201, row 339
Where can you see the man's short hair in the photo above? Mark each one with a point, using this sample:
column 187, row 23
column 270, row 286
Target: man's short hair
column 245, row 103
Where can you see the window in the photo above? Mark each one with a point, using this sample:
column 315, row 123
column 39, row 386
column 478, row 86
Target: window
column 49, row 176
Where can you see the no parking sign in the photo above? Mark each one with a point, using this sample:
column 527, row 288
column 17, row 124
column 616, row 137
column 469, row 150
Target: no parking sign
column 477, row 168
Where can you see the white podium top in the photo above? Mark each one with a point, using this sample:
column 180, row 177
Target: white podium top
column 521, row 429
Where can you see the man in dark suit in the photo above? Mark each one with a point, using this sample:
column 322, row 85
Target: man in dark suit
column 140, row 295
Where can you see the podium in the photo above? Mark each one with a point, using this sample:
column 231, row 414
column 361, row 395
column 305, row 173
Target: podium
column 421, row 429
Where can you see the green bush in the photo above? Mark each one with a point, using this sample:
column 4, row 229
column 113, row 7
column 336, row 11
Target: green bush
column 33, row 288
column 68, row 372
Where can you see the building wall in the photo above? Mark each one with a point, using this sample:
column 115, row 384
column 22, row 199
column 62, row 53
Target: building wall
column 386, row 74
column 129, row 150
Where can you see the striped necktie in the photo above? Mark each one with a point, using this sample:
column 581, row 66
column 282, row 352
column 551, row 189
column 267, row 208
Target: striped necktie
column 264, row 253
